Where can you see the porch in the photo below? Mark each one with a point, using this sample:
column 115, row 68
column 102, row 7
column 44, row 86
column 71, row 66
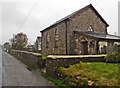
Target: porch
column 98, row 43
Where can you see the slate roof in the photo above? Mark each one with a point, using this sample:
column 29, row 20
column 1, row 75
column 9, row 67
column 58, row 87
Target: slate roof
column 101, row 36
column 81, row 10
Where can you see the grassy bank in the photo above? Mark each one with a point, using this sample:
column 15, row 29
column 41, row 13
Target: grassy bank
column 92, row 73
column 57, row 82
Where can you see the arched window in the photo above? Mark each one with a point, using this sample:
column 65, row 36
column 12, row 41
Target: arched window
column 90, row 28
column 47, row 39
column 56, row 38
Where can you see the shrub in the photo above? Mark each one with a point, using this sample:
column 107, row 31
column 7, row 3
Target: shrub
column 44, row 57
column 113, row 57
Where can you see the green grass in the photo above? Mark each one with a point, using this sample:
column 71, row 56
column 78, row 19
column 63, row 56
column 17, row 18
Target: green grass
column 57, row 82
column 95, row 73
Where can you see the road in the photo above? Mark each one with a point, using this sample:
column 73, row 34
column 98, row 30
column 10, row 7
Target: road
column 0, row 65
column 15, row 73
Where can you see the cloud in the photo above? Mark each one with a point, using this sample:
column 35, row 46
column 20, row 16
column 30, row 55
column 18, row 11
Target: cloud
column 0, row 23
column 13, row 16
column 32, row 16
column 119, row 18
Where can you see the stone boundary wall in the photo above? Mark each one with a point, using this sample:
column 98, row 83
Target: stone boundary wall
column 34, row 60
column 53, row 62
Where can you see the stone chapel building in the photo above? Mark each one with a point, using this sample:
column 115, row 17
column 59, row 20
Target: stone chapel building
column 77, row 34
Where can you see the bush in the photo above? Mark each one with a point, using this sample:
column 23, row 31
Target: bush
column 113, row 57
column 44, row 57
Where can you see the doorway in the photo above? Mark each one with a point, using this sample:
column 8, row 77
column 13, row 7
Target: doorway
column 84, row 48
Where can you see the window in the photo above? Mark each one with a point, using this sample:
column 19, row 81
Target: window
column 90, row 28
column 56, row 38
column 47, row 39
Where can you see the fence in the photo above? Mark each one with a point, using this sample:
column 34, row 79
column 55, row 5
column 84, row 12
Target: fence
column 110, row 49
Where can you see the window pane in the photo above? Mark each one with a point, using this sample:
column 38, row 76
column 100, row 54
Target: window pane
column 47, row 39
column 56, row 38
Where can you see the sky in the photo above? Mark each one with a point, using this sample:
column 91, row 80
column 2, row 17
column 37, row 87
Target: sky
column 32, row 16
column 119, row 18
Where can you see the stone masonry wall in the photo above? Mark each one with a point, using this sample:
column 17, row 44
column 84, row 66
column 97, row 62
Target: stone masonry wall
column 78, row 47
column 61, row 49
column 34, row 60
column 52, row 64
column 81, row 22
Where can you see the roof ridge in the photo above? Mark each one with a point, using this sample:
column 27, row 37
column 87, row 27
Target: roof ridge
column 68, row 16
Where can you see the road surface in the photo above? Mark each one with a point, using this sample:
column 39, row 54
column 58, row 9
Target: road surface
column 0, row 66
column 15, row 73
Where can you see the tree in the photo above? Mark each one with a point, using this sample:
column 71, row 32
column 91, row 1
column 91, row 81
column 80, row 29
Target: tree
column 7, row 46
column 19, row 41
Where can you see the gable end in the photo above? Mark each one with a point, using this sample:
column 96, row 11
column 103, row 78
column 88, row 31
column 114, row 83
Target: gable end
column 79, row 11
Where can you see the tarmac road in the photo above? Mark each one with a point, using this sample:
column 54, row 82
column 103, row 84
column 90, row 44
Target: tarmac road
column 15, row 73
column 0, row 65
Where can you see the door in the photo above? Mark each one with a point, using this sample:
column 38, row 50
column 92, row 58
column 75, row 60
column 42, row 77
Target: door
column 84, row 48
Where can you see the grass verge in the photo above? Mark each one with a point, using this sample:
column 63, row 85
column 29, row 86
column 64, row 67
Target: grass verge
column 92, row 74
column 57, row 82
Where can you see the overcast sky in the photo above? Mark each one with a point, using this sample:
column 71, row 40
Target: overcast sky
column 32, row 16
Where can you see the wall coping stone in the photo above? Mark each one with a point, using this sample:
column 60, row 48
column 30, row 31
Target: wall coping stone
column 32, row 53
column 75, row 56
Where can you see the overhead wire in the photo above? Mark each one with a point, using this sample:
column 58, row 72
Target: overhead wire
column 97, row 2
column 29, row 13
